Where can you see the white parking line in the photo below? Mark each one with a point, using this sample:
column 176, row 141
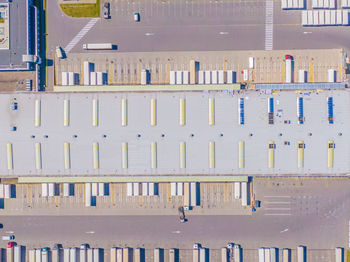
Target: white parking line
column 272, row 202
column 81, row 34
column 269, row 25
column 277, row 214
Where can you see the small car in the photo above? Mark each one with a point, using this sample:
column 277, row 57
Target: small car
column 137, row 17
column 11, row 244
column 106, row 10
column 84, row 246
column 11, row 237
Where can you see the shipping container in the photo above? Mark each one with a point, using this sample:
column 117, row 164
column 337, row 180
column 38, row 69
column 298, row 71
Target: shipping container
column 87, row 194
column 201, row 77
column 321, row 19
column 44, row 190
column 125, row 163
column 96, row 253
column 208, row 77
column 144, row 77
column 153, row 155
column 222, row 77
column 179, row 79
column 99, row 78
column 172, row 77
column 17, row 256
column 194, row 193
column 94, row 189
column 64, row 80
column 180, row 189
column 66, row 255
column 211, row 111
column 237, row 190
column 262, row 255
column 37, row 114
column 186, row 194
column 153, row 112
column 214, row 77
column 95, row 155
column 185, row 77
column 145, row 189
column 129, row 189
column 66, row 112
column 301, row 252
column 86, row 73
column 182, row 119
column 224, row 255
column 241, row 119
column 211, row 154
column 136, row 189
column 244, row 193
column 38, row 161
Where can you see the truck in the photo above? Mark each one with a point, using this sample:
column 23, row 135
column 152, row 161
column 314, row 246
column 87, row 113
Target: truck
column 182, row 214
column 59, row 52
column 17, row 254
column 289, row 68
column 98, row 46
column 301, row 250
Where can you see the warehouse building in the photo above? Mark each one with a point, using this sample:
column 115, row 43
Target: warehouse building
column 243, row 132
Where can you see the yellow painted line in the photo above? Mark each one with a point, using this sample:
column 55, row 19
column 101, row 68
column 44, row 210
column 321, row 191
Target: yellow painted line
column 211, row 111
column 29, row 194
column 225, row 192
column 95, row 153
column 169, row 196
column 182, row 154
column 38, row 161
column 182, row 120
column 312, row 76
column 283, row 72
column 37, row 113
column 153, row 155
column 124, row 112
column 57, row 200
column 140, row 201
column 147, row 88
column 125, row 179
column 113, row 193
column 124, row 155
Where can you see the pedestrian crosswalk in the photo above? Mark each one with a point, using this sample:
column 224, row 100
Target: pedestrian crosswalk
column 269, row 25
column 277, row 205
column 81, row 34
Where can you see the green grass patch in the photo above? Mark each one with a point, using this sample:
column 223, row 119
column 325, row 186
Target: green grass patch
column 81, row 10
column 347, row 258
column 2, row 20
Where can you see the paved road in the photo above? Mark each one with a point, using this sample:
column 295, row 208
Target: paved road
column 315, row 210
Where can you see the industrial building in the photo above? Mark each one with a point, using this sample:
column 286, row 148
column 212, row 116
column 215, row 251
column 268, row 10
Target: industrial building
column 244, row 132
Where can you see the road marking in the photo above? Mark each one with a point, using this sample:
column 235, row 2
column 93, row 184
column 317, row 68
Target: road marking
column 149, row 34
column 269, row 25
column 90, row 232
column 277, row 196
column 223, row 33
column 81, row 34
column 176, row 232
column 10, row 232
column 277, row 214
column 285, row 230
column 278, row 208
column 283, row 202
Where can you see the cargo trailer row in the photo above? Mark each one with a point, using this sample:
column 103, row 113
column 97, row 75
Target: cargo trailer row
column 345, row 3
column 176, row 189
column 328, row 4
column 144, row 189
column 49, row 189
column 268, row 254
column 99, row 189
column 293, row 4
column 191, row 194
column 232, row 252
column 6, row 190
column 70, row 79
column 90, row 77
column 325, row 17
column 200, row 254
column 217, row 77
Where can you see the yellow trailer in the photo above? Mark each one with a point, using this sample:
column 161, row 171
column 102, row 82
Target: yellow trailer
column 241, row 154
column 330, row 153
column 182, row 120
column 271, row 154
column 301, row 147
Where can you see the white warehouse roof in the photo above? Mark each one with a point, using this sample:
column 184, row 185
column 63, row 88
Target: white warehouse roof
column 186, row 133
